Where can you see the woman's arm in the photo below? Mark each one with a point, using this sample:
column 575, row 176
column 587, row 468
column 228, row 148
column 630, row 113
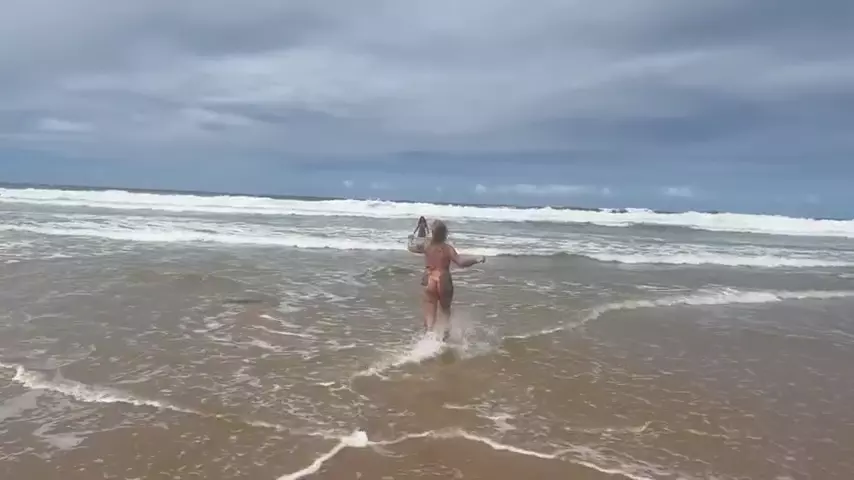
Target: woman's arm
column 464, row 263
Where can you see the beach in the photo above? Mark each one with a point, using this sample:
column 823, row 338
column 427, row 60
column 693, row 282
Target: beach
column 177, row 336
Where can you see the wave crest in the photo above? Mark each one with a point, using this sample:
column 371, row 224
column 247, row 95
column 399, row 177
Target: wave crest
column 247, row 205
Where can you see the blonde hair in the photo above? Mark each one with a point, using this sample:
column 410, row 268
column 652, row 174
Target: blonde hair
column 440, row 232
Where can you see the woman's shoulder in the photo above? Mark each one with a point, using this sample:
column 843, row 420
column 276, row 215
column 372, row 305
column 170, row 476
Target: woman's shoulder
column 430, row 246
column 446, row 248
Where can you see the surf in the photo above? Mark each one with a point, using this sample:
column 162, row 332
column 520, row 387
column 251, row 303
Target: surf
column 249, row 205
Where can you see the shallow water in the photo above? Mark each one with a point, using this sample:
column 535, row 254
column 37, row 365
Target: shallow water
column 186, row 339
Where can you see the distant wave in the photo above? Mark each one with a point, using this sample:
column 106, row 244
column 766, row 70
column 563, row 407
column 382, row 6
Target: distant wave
column 246, row 205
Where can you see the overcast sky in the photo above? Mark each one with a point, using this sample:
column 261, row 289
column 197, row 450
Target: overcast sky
column 711, row 104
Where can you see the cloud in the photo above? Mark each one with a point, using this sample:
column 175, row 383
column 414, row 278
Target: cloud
column 620, row 85
column 348, row 183
column 59, row 125
column 682, row 192
column 548, row 190
column 208, row 118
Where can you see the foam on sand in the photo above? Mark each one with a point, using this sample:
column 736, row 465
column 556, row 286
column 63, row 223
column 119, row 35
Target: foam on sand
column 728, row 296
column 106, row 395
column 87, row 393
column 358, row 439
column 582, row 456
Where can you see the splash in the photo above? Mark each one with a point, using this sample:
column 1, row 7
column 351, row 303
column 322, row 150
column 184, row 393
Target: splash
column 467, row 338
column 423, row 347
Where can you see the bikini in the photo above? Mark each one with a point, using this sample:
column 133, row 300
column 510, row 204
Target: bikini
column 437, row 281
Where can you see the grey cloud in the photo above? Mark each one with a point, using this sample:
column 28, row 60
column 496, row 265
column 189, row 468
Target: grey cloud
column 660, row 78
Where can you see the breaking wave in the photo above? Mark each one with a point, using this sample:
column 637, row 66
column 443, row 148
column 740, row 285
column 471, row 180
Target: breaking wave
column 162, row 231
column 247, row 205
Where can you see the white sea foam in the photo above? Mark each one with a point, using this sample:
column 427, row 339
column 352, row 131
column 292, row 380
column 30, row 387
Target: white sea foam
column 725, row 222
column 497, row 445
column 357, row 439
column 421, row 348
column 583, row 456
column 166, row 232
column 467, row 338
column 282, row 332
column 176, row 234
column 720, row 297
column 734, row 296
column 106, row 395
column 87, row 393
column 209, row 230
column 762, row 261
column 18, row 406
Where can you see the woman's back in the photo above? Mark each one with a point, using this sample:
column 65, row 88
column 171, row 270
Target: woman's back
column 437, row 256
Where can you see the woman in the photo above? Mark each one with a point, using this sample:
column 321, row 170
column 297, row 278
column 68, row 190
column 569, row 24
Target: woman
column 421, row 230
column 437, row 283
column 419, row 236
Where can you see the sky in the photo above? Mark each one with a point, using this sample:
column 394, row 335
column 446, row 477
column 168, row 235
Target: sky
column 704, row 105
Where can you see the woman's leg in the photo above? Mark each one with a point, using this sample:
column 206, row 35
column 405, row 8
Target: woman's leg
column 428, row 306
column 430, row 301
column 445, row 314
column 446, row 297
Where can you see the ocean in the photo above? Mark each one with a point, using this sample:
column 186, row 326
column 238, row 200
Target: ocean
column 183, row 336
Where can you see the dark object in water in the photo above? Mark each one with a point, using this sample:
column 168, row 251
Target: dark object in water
column 242, row 301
